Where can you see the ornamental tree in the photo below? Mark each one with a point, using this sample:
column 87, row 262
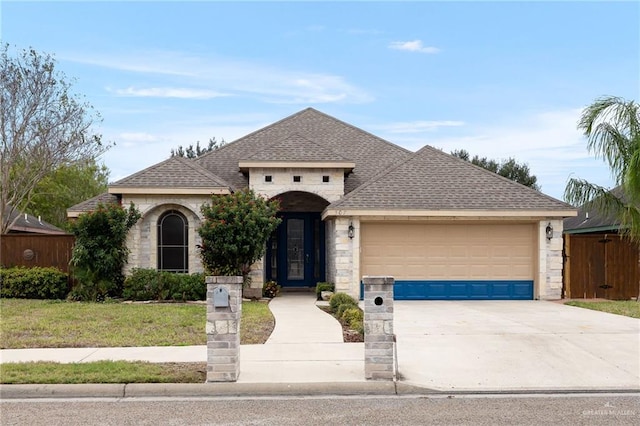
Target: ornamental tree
column 235, row 231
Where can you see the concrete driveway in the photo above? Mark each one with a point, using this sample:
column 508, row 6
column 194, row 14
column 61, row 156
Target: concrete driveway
column 515, row 345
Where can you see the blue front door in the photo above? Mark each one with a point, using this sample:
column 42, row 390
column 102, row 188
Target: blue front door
column 296, row 253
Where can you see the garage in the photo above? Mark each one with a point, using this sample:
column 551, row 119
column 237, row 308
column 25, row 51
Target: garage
column 452, row 261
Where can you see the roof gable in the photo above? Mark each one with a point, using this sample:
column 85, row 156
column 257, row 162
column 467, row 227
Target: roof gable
column 431, row 180
column 370, row 153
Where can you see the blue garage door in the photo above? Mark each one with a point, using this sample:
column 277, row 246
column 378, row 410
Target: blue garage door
column 463, row 290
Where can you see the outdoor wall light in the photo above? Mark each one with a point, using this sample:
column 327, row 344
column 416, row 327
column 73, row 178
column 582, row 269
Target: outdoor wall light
column 351, row 231
column 549, row 231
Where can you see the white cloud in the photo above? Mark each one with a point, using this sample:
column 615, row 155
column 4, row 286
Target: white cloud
column 216, row 76
column 168, row 92
column 418, row 126
column 548, row 142
column 413, row 46
column 136, row 137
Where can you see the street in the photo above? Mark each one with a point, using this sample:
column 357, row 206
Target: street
column 596, row 409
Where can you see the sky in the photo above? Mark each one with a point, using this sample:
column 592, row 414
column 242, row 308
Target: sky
column 498, row 79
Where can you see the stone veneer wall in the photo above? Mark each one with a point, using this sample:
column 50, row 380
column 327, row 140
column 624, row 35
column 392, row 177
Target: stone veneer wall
column 343, row 254
column 550, row 261
column 143, row 237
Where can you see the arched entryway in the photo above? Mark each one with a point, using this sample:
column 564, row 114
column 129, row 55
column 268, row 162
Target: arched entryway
column 296, row 255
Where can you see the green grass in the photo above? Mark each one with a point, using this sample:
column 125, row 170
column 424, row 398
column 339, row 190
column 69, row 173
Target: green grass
column 60, row 324
column 102, row 372
column 628, row 308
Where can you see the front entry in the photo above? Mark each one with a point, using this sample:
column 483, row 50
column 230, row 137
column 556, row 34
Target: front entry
column 296, row 251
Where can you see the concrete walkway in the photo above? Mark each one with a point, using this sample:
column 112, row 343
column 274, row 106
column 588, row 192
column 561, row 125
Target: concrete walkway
column 306, row 346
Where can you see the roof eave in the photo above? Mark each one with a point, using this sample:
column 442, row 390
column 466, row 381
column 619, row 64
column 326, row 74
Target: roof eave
column 345, row 165
column 161, row 190
column 519, row 214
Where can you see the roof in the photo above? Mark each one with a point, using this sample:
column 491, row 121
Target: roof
column 92, row 203
column 589, row 219
column 370, row 153
column 431, row 180
column 31, row 224
column 296, row 148
column 176, row 172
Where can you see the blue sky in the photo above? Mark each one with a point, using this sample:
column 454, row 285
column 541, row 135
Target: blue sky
column 498, row 79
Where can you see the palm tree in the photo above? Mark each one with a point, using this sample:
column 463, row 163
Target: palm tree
column 612, row 127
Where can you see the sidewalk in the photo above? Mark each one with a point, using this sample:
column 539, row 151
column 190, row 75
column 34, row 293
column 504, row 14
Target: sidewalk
column 317, row 356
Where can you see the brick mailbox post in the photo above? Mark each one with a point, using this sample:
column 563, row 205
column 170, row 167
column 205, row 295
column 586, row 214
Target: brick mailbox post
column 224, row 307
column 378, row 328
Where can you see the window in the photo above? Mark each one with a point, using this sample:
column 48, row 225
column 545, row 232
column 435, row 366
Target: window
column 173, row 242
column 268, row 178
column 325, row 178
column 297, row 178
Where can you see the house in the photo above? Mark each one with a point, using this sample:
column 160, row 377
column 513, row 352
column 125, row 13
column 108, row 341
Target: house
column 353, row 204
column 24, row 223
column 599, row 263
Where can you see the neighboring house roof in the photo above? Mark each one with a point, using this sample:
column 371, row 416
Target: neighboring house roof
column 370, row 153
column 431, row 180
column 27, row 223
column 591, row 220
column 92, row 203
column 174, row 173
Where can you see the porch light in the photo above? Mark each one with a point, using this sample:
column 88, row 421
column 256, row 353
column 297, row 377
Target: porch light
column 549, row 231
column 351, row 230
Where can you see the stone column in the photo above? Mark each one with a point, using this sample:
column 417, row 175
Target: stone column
column 223, row 328
column 378, row 328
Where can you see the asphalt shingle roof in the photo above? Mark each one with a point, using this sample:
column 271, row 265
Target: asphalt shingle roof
column 176, row 172
column 31, row 224
column 296, row 148
column 370, row 153
column 92, row 203
column 433, row 180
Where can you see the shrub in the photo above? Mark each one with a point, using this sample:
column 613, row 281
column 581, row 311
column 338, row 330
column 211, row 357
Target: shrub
column 352, row 315
column 100, row 250
column 150, row 284
column 270, row 289
column 357, row 326
column 324, row 286
column 341, row 299
column 33, row 283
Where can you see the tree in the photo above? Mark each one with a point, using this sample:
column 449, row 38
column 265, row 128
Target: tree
column 511, row 169
column 190, row 152
column 612, row 127
column 43, row 124
column 100, row 251
column 235, row 231
column 66, row 186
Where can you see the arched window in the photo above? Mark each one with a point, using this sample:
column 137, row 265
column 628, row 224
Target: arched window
column 173, row 242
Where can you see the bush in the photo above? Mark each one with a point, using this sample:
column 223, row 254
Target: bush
column 341, row 299
column 33, row 283
column 149, row 284
column 324, row 286
column 270, row 289
column 352, row 315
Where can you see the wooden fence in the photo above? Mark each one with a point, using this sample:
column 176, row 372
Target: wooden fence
column 601, row 266
column 36, row 250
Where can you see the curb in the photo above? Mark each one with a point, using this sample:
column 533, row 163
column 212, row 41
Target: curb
column 146, row 390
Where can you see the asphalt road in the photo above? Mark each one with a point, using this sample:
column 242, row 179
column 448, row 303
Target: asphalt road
column 597, row 409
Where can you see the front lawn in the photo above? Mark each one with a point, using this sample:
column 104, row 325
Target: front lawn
column 102, row 372
column 628, row 308
column 60, row 324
